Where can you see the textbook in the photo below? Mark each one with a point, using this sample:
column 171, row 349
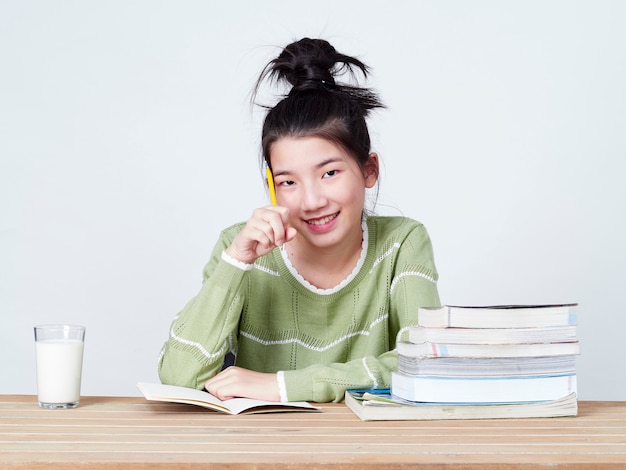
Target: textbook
column 429, row 349
column 487, row 366
column 233, row 406
column 482, row 389
column 497, row 316
column 380, row 405
column 550, row 334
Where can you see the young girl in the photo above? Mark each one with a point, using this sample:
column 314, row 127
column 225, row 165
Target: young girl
column 310, row 295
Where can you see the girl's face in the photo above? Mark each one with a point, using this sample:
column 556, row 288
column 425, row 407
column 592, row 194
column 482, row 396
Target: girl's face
column 323, row 187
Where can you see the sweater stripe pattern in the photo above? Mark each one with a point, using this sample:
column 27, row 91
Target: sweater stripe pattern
column 322, row 341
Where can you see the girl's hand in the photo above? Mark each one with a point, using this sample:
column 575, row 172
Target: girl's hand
column 238, row 382
column 266, row 229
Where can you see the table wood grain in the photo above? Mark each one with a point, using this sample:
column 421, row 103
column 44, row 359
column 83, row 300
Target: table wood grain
column 132, row 433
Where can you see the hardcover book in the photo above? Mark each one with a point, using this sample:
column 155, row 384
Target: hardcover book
column 497, row 316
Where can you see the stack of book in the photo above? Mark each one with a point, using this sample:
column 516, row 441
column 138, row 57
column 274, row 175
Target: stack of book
column 482, row 362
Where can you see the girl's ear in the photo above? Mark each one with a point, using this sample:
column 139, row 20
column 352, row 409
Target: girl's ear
column 371, row 170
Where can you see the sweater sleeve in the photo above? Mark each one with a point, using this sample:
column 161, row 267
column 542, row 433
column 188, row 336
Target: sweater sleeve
column 413, row 285
column 206, row 329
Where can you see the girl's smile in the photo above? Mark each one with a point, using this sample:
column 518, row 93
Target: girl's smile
column 322, row 220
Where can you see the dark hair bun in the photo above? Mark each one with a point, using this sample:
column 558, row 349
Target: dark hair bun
column 314, row 64
column 311, row 62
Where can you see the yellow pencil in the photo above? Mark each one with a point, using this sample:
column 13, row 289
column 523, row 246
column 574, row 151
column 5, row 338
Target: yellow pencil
column 270, row 184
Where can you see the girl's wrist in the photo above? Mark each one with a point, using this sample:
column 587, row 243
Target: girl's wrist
column 235, row 261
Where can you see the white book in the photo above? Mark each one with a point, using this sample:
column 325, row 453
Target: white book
column 486, row 366
column 376, row 405
column 550, row 334
column 428, row 349
column 482, row 390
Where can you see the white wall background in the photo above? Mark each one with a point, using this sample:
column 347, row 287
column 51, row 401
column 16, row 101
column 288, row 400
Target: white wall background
column 127, row 143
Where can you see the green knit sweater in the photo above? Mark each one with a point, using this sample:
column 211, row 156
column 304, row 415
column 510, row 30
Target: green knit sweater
column 324, row 342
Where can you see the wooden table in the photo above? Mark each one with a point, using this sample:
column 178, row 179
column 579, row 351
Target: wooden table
column 132, row 433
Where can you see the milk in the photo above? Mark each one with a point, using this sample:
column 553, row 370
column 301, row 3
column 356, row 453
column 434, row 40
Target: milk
column 59, row 368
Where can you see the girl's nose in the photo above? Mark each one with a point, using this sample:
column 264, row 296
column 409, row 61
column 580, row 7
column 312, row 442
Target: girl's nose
column 313, row 197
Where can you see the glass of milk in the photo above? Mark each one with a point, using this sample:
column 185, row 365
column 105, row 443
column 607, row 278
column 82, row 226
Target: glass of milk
column 59, row 351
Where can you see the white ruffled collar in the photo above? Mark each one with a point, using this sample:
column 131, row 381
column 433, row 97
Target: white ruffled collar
column 342, row 284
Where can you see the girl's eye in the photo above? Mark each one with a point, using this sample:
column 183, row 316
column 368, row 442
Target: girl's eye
column 286, row 183
column 330, row 173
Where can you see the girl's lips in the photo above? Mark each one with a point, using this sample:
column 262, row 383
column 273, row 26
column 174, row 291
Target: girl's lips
column 322, row 220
